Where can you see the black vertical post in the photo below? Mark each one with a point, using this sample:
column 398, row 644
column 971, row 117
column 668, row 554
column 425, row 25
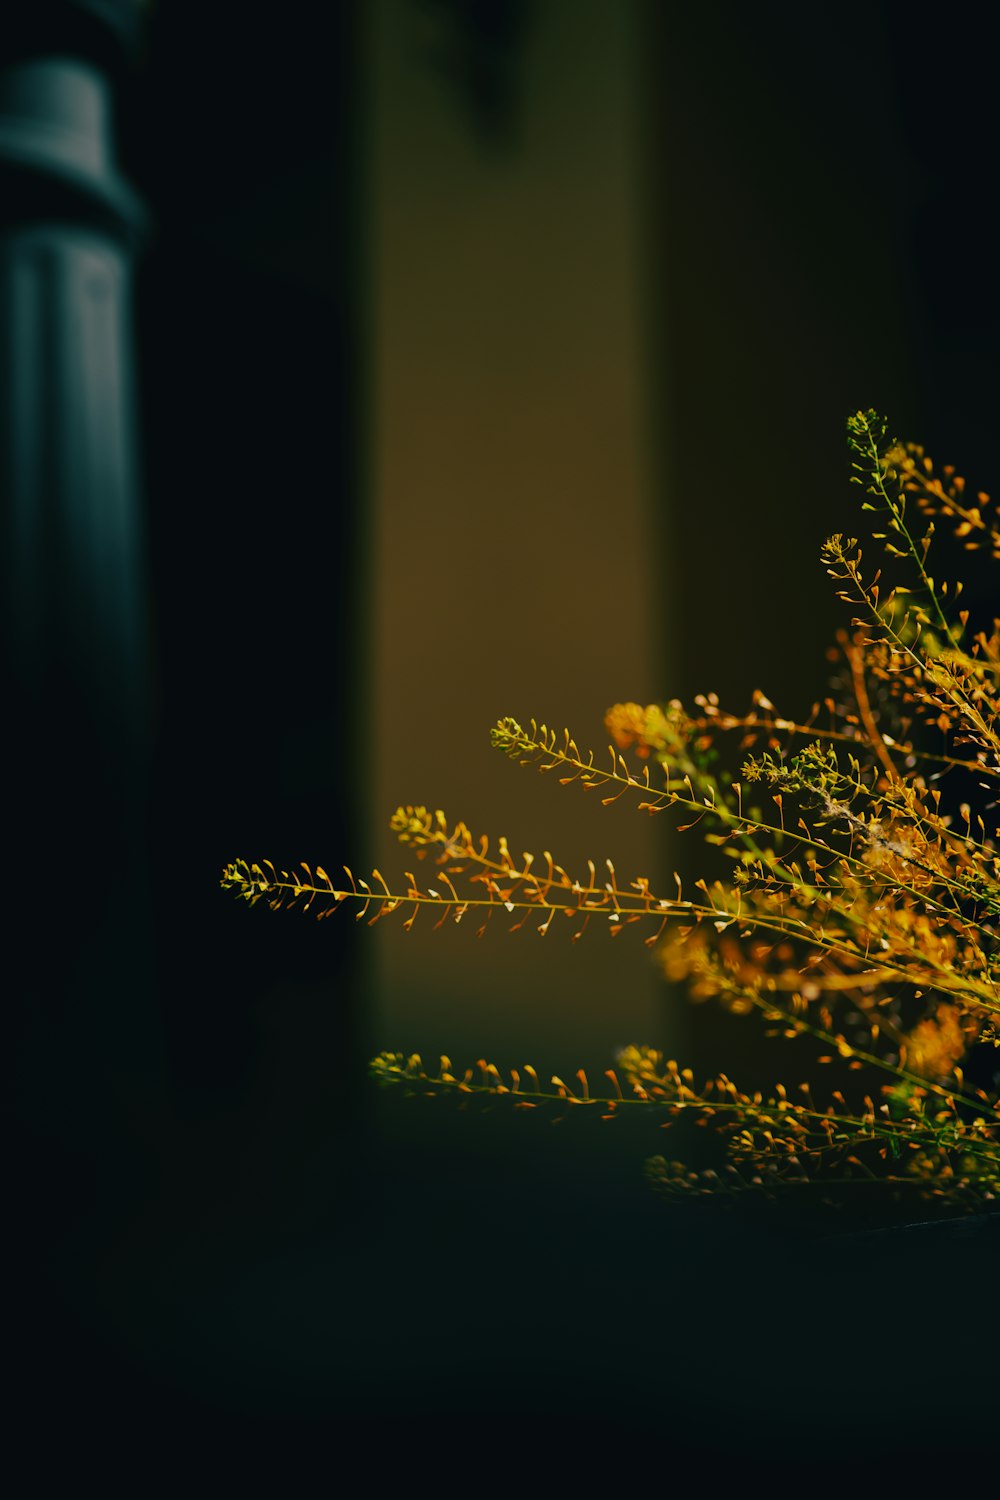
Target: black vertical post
column 248, row 322
column 75, row 646
column 182, row 1074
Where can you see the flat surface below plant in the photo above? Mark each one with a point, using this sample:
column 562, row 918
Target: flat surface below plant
column 425, row 1272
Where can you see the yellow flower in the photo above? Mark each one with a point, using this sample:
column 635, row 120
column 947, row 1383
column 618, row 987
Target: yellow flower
column 936, row 1044
column 629, row 724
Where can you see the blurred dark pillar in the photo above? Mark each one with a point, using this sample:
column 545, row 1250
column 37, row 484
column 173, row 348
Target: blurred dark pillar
column 242, row 131
column 74, row 630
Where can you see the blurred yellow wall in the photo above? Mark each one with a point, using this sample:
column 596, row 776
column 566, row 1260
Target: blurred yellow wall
column 514, row 564
column 613, row 344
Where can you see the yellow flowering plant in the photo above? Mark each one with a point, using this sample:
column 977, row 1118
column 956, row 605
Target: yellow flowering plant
column 860, row 910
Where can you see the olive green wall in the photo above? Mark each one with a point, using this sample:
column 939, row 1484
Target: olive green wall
column 612, row 347
column 516, row 561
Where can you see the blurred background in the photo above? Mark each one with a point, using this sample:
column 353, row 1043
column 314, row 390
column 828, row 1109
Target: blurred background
column 372, row 371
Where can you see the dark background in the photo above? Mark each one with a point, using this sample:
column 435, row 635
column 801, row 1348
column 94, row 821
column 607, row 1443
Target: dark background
column 249, row 1239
